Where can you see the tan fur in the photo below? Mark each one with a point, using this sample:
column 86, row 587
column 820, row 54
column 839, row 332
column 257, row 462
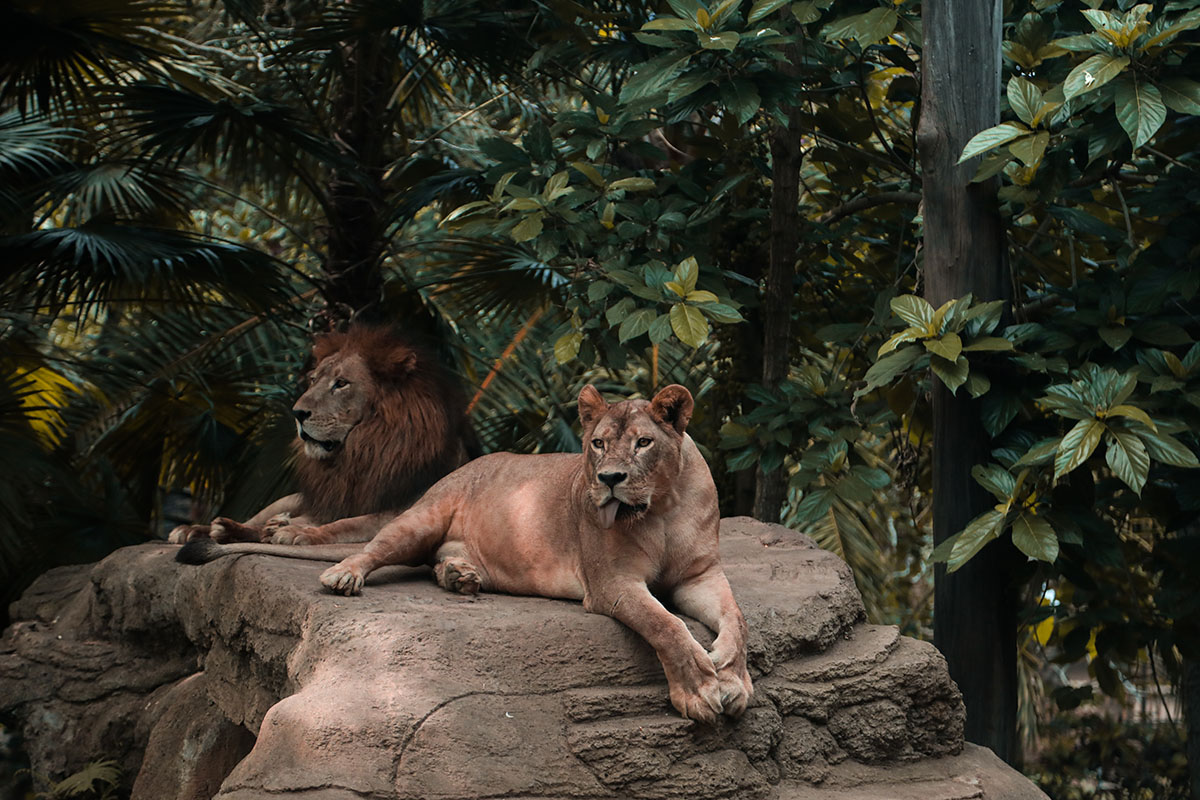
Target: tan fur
column 379, row 423
column 542, row 525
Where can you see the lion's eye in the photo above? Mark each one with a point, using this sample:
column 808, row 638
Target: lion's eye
column 341, row 383
column 598, row 444
column 645, row 441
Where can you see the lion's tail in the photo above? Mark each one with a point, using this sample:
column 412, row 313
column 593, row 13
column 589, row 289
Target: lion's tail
column 202, row 551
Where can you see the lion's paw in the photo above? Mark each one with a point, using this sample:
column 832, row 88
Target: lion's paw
column 182, row 534
column 295, row 534
column 344, row 578
column 275, row 523
column 457, row 575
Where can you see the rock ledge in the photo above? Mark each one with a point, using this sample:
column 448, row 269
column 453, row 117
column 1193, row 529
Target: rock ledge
column 243, row 679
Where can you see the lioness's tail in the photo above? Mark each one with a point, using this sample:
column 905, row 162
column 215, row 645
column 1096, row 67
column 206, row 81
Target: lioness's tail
column 202, row 551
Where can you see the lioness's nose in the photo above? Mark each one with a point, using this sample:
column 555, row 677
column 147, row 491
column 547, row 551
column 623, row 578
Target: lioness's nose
column 301, row 414
column 611, row 479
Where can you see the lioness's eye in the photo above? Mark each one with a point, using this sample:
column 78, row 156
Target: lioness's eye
column 340, row 382
column 598, row 444
column 644, row 441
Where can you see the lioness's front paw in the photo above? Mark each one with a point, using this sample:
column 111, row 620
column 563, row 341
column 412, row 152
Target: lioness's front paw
column 346, row 577
column 736, row 689
column 695, row 690
column 457, row 575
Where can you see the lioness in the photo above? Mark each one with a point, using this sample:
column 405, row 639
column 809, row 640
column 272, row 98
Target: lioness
column 635, row 512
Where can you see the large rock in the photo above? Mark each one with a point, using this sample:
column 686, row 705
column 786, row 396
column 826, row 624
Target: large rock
column 243, row 679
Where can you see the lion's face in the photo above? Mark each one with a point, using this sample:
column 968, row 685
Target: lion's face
column 632, row 449
column 337, row 399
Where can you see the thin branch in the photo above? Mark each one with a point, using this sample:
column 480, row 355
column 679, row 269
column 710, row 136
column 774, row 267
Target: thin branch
column 868, row 201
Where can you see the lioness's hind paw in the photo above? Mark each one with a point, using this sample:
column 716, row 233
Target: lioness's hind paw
column 457, row 575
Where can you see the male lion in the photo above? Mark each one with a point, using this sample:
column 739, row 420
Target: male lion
column 380, row 422
column 636, row 511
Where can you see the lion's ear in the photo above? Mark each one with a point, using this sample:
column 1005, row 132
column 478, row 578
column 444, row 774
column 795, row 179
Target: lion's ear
column 673, row 406
column 591, row 405
column 400, row 361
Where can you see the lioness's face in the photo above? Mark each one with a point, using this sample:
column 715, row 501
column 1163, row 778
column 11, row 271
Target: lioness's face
column 337, row 398
column 632, row 449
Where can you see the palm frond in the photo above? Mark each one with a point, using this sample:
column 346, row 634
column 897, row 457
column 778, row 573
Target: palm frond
column 56, row 54
column 99, row 262
column 123, row 189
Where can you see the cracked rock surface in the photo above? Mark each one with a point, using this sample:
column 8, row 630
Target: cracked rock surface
column 244, row 679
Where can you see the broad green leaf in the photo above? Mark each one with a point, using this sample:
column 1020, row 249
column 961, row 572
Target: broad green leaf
column 914, row 310
column 701, row 296
column 762, row 8
column 1024, row 97
column 1034, row 537
column 1093, row 73
column 636, row 324
column 720, row 312
column 853, row 489
column 948, row 346
column 996, row 479
column 1132, row 412
column 1181, row 95
column 1189, row 21
column 567, row 346
column 991, row 138
column 866, row 29
column 1140, row 109
column 1030, row 149
column 670, row 24
column 815, row 504
column 1128, row 459
column 1040, row 453
column 528, row 228
column 952, row 373
column 1168, row 450
column 885, row 370
column 590, row 172
column 687, row 272
column 631, row 185
column 988, row 343
column 977, row 385
column 721, row 41
column 978, row 533
column 464, row 210
column 897, row 339
column 660, row 329
column 1115, row 336
column 689, row 324
column 1077, row 446
column 598, row 290
column 806, row 11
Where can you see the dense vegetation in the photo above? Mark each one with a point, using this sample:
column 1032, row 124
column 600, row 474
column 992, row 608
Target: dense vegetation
column 726, row 196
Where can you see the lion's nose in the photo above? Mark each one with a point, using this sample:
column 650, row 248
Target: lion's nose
column 301, row 414
column 611, row 479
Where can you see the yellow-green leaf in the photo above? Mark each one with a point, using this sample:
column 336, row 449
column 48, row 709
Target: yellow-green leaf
column 985, row 343
column 687, row 272
column 631, row 185
column 689, row 324
column 991, row 138
column 528, row 228
column 677, row 288
column 1128, row 459
column 701, row 296
column 1034, row 537
column 1093, row 73
column 567, row 346
column 1132, row 412
column 1030, row 149
column 948, row 346
column 1079, row 444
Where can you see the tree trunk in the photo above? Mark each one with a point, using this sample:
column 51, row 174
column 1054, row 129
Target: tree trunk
column 1191, row 716
column 975, row 621
column 771, row 487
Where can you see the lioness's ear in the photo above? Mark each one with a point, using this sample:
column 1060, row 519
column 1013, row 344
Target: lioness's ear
column 673, row 405
column 591, row 405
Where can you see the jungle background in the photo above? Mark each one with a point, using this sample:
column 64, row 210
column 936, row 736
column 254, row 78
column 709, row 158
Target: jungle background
column 725, row 195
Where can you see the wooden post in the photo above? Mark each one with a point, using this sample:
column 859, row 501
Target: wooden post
column 975, row 622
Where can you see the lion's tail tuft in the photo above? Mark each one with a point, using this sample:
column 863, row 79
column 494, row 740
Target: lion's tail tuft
column 199, row 551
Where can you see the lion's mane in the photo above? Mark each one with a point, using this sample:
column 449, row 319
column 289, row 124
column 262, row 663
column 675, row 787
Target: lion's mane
column 413, row 433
